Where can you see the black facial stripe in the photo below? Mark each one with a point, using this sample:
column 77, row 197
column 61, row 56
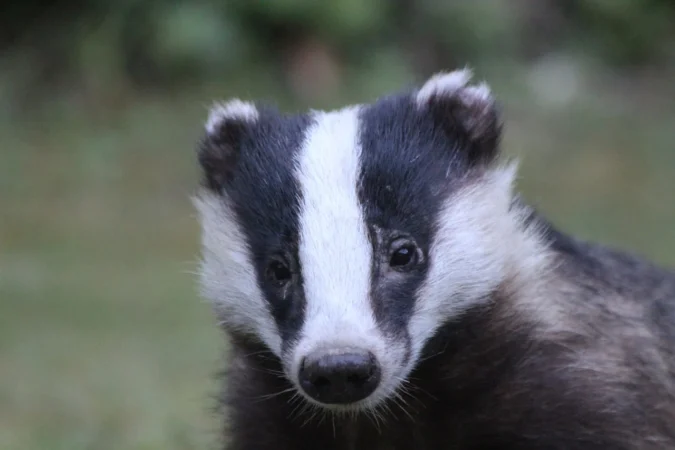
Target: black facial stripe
column 266, row 197
column 408, row 168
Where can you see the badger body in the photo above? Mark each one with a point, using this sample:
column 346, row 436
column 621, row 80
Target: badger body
column 382, row 287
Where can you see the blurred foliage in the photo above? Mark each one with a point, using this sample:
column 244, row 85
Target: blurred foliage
column 157, row 43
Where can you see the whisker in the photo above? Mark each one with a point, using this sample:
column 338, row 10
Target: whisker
column 315, row 411
column 403, row 405
column 276, row 394
column 372, row 415
column 269, row 372
column 409, row 386
column 259, row 352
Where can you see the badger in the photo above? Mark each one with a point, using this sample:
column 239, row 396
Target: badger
column 382, row 285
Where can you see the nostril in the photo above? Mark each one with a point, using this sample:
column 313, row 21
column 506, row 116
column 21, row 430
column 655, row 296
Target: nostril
column 344, row 377
column 357, row 378
column 321, row 382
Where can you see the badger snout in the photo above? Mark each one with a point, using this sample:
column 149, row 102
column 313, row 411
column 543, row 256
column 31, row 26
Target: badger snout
column 339, row 377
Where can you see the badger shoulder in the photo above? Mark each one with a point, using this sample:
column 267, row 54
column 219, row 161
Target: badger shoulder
column 601, row 280
column 600, row 339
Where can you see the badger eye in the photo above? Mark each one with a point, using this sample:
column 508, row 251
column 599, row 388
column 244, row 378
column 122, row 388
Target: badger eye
column 404, row 254
column 278, row 273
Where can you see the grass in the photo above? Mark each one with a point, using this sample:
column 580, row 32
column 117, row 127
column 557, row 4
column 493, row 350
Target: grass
column 104, row 343
column 103, row 340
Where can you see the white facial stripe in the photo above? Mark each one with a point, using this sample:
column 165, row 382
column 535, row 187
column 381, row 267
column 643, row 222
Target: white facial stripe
column 334, row 250
column 228, row 277
column 469, row 255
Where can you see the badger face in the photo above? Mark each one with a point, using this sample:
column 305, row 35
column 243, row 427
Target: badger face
column 344, row 240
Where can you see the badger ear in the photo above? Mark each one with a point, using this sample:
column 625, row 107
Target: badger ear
column 220, row 146
column 465, row 111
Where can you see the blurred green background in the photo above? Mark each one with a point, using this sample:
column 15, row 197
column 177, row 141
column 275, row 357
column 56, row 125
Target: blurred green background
column 104, row 343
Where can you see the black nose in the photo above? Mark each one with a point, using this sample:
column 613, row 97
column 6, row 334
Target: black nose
column 339, row 378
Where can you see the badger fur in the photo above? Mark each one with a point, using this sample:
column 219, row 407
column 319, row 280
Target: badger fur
column 383, row 287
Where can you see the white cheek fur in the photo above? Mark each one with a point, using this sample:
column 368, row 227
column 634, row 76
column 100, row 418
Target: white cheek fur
column 228, row 278
column 479, row 244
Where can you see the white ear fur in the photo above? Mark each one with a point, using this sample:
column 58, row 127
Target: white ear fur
column 451, row 84
column 232, row 109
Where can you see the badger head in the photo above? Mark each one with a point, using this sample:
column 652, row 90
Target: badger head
column 343, row 240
